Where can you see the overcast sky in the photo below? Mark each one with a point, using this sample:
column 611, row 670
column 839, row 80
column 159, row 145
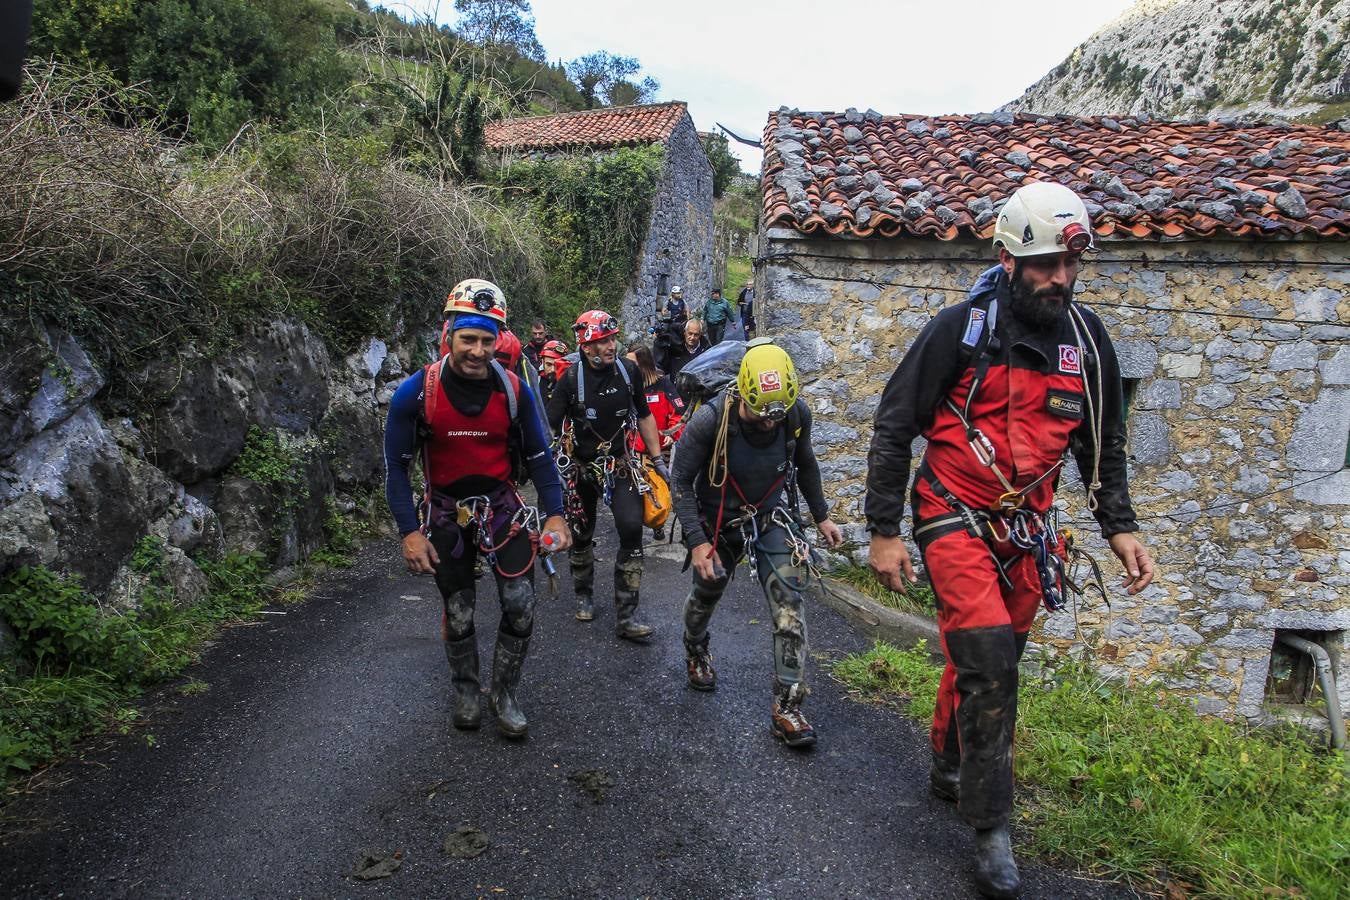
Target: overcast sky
column 733, row 61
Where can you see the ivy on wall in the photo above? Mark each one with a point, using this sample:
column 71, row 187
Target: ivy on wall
column 592, row 212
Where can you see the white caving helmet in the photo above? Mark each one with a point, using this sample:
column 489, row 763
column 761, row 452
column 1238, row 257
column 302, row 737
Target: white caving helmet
column 677, row 291
column 1043, row 217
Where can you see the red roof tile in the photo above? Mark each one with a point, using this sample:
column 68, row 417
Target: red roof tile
column 867, row 175
column 610, row 127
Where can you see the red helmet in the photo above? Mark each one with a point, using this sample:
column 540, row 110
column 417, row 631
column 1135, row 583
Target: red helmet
column 554, row 350
column 508, row 348
column 595, row 325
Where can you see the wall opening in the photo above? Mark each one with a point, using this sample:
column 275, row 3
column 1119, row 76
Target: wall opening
column 1292, row 678
column 1129, row 387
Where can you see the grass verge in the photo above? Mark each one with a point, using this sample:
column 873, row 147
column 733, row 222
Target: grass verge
column 919, row 598
column 739, row 271
column 1128, row 782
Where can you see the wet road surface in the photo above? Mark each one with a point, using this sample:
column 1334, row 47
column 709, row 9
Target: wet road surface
column 325, row 735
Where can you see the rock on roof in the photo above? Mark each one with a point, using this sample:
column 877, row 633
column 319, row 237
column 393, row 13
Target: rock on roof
column 866, row 175
column 610, row 127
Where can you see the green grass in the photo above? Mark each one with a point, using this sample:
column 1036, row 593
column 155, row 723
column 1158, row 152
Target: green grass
column 1130, row 783
column 919, row 599
column 739, row 271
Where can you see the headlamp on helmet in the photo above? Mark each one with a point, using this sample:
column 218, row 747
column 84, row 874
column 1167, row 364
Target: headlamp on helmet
column 477, row 297
column 595, row 325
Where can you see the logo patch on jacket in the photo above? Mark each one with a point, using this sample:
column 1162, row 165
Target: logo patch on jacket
column 1065, row 404
column 1069, row 362
column 974, row 325
column 653, row 398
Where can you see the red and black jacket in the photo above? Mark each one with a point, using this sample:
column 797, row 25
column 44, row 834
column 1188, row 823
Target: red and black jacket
column 1029, row 404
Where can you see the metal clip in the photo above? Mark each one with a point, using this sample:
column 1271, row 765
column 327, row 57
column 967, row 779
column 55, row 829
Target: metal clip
column 982, row 447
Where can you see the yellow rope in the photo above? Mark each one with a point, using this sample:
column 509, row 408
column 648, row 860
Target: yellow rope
column 719, row 453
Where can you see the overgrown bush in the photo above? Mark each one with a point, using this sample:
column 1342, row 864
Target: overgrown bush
column 139, row 244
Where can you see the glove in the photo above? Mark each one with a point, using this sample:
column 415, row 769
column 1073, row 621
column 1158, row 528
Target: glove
column 659, row 467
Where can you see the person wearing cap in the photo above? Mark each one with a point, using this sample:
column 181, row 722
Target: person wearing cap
column 476, row 426
column 737, row 469
column 676, row 311
column 745, row 302
column 715, row 315
column 1002, row 386
column 594, row 407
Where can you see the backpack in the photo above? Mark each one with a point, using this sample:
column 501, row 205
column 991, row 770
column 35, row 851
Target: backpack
column 510, row 384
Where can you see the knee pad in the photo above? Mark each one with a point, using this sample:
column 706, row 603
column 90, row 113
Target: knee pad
column 459, row 615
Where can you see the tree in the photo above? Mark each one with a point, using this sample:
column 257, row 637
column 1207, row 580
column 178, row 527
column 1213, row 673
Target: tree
column 500, row 23
column 725, row 166
column 603, row 75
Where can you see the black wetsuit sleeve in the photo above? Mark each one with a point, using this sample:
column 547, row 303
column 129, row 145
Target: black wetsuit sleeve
column 400, row 448
column 925, row 375
column 1115, row 512
column 563, row 392
column 691, row 457
column 808, row 470
column 538, row 456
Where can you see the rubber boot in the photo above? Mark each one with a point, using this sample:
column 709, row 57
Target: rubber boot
column 627, row 586
column 788, row 724
column 463, row 657
column 507, row 661
column 995, row 869
column 944, row 779
column 582, row 561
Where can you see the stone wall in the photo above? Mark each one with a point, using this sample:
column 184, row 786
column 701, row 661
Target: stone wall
column 678, row 247
column 82, row 482
column 1227, row 415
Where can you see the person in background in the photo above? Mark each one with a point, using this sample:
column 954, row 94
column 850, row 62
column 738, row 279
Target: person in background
column 677, row 356
column 551, row 366
column 746, row 301
column 676, row 310
column 665, row 404
column 715, row 315
column 538, row 338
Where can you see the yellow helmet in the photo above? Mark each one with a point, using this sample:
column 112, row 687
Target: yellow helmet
column 768, row 381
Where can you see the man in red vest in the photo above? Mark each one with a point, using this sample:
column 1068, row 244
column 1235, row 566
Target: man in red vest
column 1001, row 386
column 478, row 428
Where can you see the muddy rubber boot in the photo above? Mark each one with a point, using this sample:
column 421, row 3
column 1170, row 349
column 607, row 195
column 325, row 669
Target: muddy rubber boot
column 507, row 661
column 583, row 580
column 995, row 870
column 627, row 586
column 788, row 724
column 462, row 655
column 944, row 779
column 698, row 663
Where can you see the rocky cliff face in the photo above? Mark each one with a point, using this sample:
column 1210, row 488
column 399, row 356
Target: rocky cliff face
column 80, row 486
column 1181, row 58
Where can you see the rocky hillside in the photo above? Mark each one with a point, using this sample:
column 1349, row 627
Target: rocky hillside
column 1180, row 58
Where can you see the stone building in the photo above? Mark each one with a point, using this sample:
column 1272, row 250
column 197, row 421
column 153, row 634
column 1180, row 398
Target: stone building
column 678, row 246
column 1222, row 276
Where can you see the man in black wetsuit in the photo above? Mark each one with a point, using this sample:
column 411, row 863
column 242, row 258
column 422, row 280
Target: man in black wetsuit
column 737, row 467
column 595, row 406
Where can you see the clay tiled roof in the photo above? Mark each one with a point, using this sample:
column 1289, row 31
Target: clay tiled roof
column 611, row 127
column 867, row 175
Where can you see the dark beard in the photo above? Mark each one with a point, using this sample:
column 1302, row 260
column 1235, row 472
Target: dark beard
column 1039, row 309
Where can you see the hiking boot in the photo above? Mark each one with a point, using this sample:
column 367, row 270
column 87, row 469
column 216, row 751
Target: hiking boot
column 627, row 586
column 702, row 675
column 582, row 561
column 507, row 661
column 944, row 779
column 462, row 655
column 995, row 870
column 788, row 723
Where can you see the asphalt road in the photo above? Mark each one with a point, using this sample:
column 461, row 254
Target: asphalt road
column 325, row 734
